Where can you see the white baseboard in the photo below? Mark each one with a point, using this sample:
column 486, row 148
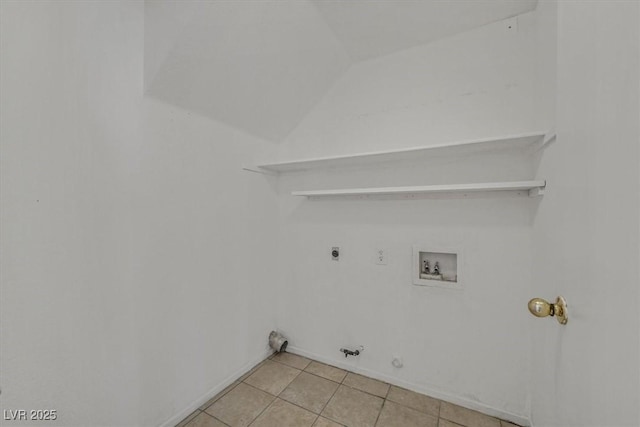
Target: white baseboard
column 171, row 422
column 429, row 391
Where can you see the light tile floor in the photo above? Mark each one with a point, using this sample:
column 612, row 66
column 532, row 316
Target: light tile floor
column 287, row 390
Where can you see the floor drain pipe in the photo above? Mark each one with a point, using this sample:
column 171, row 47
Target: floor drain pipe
column 277, row 341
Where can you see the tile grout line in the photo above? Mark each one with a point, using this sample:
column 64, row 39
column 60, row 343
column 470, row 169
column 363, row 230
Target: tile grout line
column 322, row 378
column 289, row 366
column 275, row 397
column 264, row 410
column 326, row 404
column 221, row 395
column 352, row 388
column 341, row 383
column 289, row 383
column 200, row 412
column 336, row 390
column 257, row 367
column 217, row 419
column 318, row 415
column 190, row 418
column 295, row 404
column 384, row 402
column 278, row 397
column 284, row 400
column 365, row 392
column 380, row 412
column 317, row 376
column 325, row 378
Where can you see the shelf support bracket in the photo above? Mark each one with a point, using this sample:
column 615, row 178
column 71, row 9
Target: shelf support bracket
column 548, row 138
column 257, row 169
column 536, row 192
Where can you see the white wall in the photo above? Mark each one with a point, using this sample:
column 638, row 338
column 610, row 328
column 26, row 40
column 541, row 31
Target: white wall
column 478, row 83
column 137, row 257
column 586, row 243
column 135, row 253
column 468, row 346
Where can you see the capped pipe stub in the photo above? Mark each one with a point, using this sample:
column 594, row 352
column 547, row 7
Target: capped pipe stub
column 277, row 341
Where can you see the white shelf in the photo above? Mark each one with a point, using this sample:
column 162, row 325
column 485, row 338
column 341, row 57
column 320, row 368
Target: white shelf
column 535, row 188
column 522, row 141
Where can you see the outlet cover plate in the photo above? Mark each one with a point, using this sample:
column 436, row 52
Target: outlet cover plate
column 381, row 256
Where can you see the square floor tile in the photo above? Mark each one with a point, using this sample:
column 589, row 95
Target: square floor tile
column 444, row 423
column 414, row 400
column 284, row 414
column 466, row 417
column 309, row 391
column 326, row 371
column 369, row 385
column 251, row 371
column 272, row 377
column 353, row 408
column 218, row 396
column 189, row 417
column 292, row 360
column 240, row 406
column 205, row 420
column 324, row 422
column 394, row 415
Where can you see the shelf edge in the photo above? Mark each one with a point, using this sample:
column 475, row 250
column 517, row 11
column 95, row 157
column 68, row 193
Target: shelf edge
column 308, row 163
column 535, row 188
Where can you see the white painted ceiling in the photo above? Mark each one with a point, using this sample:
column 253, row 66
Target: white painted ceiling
column 261, row 66
column 256, row 65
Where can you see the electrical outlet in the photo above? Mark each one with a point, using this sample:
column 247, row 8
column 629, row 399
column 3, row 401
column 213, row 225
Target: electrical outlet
column 381, row 256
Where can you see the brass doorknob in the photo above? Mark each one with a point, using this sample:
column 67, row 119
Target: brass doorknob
column 542, row 308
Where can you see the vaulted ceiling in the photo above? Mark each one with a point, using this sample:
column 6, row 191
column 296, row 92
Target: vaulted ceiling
column 261, row 66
